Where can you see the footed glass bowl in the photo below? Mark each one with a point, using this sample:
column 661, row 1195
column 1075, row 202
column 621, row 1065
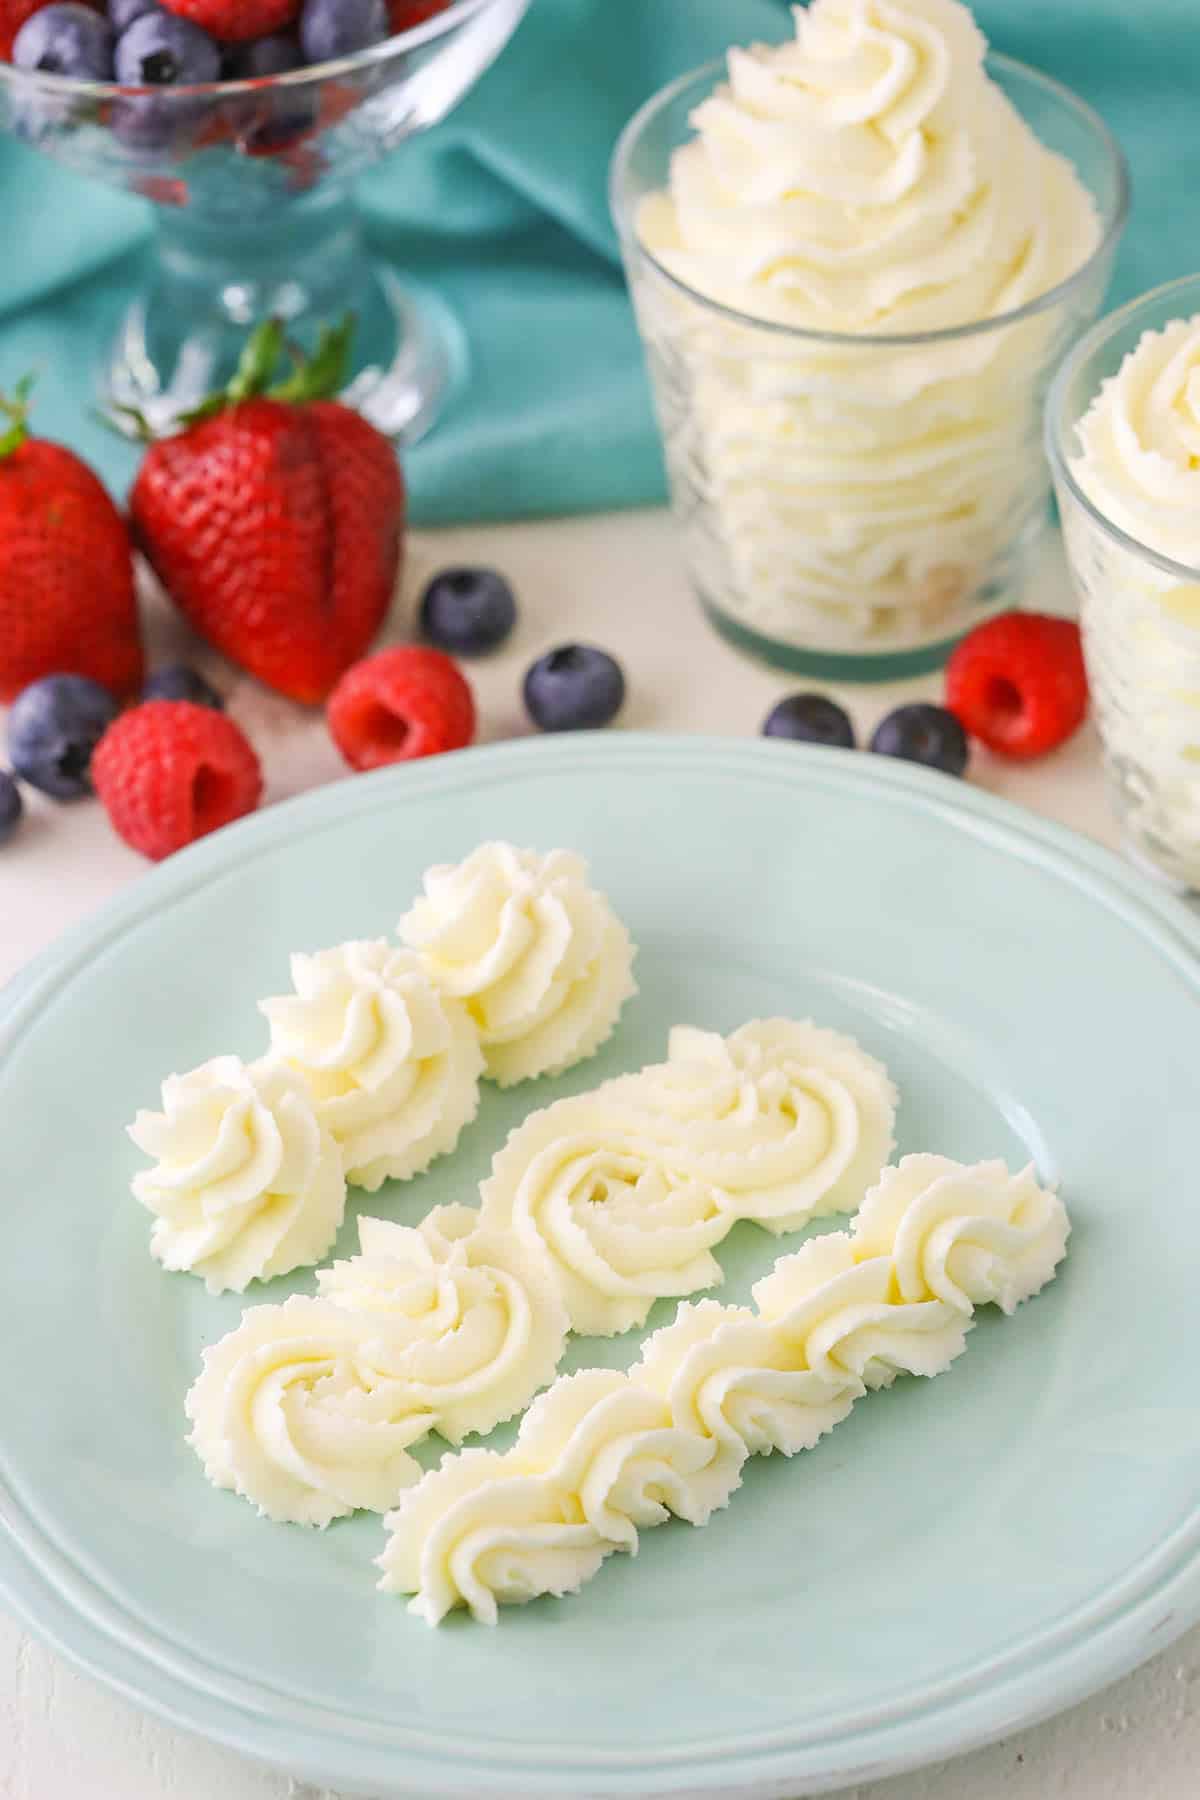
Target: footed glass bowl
column 252, row 185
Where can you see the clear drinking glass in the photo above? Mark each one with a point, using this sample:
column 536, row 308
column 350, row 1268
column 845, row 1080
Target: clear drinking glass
column 256, row 216
column 1140, row 614
column 803, row 543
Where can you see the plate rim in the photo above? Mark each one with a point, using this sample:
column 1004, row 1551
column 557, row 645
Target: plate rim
column 1054, row 1669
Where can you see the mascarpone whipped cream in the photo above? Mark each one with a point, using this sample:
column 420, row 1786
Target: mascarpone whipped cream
column 601, row 1455
column 464, row 1325
column 867, row 179
column 1139, row 443
column 1139, row 464
column 309, row 1409
column 584, row 1186
column 392, row 1065
column 974, row 1236
column 286, row 1414
column 789, row 1120
column 247, row 1182
column 625, row 1192
column 537, row 956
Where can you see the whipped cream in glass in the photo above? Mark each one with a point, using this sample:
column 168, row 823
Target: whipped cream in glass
column 1124, row 435
column 840, row 280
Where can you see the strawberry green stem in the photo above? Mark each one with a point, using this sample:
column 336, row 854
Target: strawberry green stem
column 16, row 413
column 318, row 377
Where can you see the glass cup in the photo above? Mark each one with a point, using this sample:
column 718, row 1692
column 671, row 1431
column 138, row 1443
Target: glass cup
column 1140, row 614
column 831, row 522
column 252, row 182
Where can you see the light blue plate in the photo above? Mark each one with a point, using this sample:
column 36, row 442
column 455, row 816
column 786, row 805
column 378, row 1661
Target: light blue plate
column 958, row 1558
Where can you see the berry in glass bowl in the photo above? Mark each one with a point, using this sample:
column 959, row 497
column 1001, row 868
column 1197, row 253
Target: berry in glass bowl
column 217, row 111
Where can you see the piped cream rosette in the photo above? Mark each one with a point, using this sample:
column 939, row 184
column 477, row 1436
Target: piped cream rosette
column 392, row 1065
column 247, row 1182
column 309, row 1409
column 535, row 953
column 603, row 1455
column 625, row 1192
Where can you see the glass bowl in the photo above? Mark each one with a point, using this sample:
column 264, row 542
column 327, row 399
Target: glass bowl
column 809, row 539
column 252, row 185
column 1139, row 611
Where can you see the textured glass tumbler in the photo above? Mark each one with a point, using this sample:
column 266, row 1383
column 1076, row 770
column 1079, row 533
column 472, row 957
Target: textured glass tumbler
column 850, row 505
column 253, row 189
column 1140, row 614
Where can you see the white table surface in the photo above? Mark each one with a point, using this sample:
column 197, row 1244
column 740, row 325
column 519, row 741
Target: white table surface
column 616, row 582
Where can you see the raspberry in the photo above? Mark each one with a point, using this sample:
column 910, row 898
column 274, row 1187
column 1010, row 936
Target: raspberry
column 1019, row 684
column 399, row 705
column 170, row 772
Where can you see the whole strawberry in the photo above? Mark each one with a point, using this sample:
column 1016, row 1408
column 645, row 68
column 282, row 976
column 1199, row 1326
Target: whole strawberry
column 67, row 601
column 236, row 21
column 275, row 520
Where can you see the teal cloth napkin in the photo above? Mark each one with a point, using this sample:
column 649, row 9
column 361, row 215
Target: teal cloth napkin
column 502, row 210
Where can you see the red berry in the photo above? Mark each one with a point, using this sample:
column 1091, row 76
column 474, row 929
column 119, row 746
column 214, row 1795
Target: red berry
column 170, row 772
column 403, row 15
column 13, row 14
column 1019, row 684
column 277, row 529
column 67, row 599
column 235, row 21
column 400, row 705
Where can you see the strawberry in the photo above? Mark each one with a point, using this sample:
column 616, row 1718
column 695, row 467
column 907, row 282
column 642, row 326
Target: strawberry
column 169, row 772
column 403, row 15
column 399, row 705
column 67, row 601
column 235, row 21
column 275, row 521
column 1018, row 683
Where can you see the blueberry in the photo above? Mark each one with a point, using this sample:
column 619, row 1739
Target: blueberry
column 178, row 682
column 575, row 688
column 332, row 28
column 263, row 57
column 810, row 719
column 467, row 611
column 161, row 50
column 66, row 39
column 52, row 730
column 11, row 806
column 122, row 13
column 275, row 117
column 924, row 734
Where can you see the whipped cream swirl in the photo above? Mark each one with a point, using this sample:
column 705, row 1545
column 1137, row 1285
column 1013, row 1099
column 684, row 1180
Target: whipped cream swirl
column 869, row 177
column 247, row 1183
column 309, row 1409
column 626, row 1192
column 535, row 953
column 464, row 1325
column 602, row 1456
column 787, row 1119
column 286, row 1414
column 1139, row 458
column 967, row 1236
column 866, row 179
column 584, row 1186
column 392, row 1065
column 1139, row 464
